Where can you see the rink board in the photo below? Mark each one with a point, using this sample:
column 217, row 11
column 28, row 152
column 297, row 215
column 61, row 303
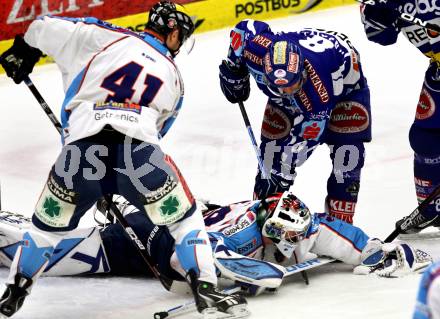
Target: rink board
column 16, row 15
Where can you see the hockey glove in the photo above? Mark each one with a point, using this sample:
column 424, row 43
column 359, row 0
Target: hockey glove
column 19, row 60
column 234, row 82
column 393, row 260
column 265, row 187
column 383, row 14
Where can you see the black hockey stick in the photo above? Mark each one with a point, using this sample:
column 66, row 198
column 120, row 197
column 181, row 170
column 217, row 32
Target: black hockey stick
column 406, row 17
column 113, row 209
column 43, row 104
column 415, row 218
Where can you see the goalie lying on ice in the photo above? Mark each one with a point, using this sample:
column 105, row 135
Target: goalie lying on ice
column 245, row 229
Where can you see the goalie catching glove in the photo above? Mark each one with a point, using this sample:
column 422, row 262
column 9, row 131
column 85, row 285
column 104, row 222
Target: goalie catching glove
column 392, row 259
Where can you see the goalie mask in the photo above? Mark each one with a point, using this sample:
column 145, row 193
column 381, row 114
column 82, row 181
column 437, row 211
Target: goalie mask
column 284, row 72
column 288, row 222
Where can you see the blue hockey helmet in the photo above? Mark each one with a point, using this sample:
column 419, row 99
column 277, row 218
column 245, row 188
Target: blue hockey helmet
column 284, row 72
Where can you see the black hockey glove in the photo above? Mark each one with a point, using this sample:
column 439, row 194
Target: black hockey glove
column 383, row 14
column 234, row 82
column 19, row 60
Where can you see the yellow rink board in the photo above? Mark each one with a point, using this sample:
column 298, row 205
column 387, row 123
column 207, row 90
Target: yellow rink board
column 216, row 14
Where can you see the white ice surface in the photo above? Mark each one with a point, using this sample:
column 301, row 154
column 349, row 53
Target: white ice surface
column 211, row 146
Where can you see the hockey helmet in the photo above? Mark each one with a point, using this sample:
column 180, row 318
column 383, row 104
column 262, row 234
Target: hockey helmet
column 165, row 16
column 288, row 221
column 284, row 72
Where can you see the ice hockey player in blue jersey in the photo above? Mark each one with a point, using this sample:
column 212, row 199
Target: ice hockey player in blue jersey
column 122, row 93
column 383, row 26
column 428, row 297
column 317, row 93
column 245, row 229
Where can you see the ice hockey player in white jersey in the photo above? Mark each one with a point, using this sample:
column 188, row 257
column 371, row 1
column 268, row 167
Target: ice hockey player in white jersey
column 122, row 93
column 240, row 230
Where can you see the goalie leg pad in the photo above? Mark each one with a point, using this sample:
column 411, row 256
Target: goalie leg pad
column 247, row 270
column 32, row 256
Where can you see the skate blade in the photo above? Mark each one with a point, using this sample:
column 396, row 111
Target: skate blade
column 234, row 312
column 420, row 236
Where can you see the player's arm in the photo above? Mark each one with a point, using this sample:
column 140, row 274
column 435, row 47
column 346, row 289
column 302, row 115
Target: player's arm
column 380, row 22
column 337, row 239
column 233, row 72
column 70, row 39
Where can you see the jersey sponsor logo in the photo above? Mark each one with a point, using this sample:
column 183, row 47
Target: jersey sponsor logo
column 422, row 182
column 416, row 35
column 293, row 64
column 426, row 105
column 305, row 100
column 355, row 61
column 252, row 57
column 276, row 123
column 262, row 41
column 52, row 210
column 162, row 191
column 267, row 64
column 119, row 117
column 432, row 161
column 312, row 130
column 341, row 206
column 349, row 117
column 195, row 241
column 131, row 107
column 61, row 192
column 242, row 224
column 318, row 85
column 237, row 41
column 247, row 247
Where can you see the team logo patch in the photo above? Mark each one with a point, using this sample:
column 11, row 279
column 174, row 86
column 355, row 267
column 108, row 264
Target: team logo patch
column 312, row 130
column 276, row 124
column 349, row 117
column 426, row 106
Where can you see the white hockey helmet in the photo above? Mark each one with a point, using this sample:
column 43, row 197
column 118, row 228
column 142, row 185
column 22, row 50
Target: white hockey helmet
column 288, row 221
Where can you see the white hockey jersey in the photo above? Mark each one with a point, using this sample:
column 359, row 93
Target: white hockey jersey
column 110, row 76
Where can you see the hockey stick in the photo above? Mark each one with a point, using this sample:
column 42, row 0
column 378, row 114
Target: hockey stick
column 416, row 218
column 406, row 17
column 253, row 140
column 166, row 282
column 43, row 104
column 289, row 271
column 259, row 159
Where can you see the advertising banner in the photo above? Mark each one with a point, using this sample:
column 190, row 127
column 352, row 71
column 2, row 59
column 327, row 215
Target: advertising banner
column 16, row 15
